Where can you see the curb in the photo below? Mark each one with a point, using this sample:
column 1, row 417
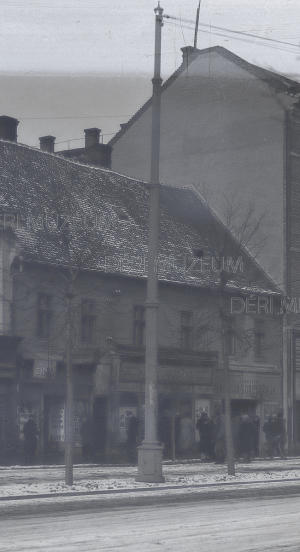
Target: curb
column 127, row 465
column 143, row 489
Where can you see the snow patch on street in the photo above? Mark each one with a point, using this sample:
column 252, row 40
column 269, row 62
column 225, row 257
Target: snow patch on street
column 29, row 481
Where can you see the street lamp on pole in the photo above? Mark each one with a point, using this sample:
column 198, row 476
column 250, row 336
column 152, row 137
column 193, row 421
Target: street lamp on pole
column 150, row 452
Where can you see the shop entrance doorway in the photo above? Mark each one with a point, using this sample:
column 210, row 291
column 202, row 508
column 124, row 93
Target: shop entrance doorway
column 238, row 408
column 100, row 424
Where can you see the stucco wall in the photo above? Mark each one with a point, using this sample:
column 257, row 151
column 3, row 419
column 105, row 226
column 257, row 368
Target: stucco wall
column 116, row 297
column 221, row 128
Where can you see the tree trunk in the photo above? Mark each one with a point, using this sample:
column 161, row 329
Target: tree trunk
column 229, row 441
column 173, row 430
column 226, row 387
column 69, row 402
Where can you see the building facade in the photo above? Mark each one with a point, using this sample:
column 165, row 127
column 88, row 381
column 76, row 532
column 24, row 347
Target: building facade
column 74, row 249
column 231, row 129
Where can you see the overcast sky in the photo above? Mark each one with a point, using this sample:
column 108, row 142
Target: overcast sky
column 91, row 61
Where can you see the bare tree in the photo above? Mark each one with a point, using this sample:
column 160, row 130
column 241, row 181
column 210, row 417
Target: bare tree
column 235, row 235
column 239, row 233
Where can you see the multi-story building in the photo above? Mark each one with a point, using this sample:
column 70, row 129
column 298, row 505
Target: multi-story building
column 232, row 128
column 74, row 254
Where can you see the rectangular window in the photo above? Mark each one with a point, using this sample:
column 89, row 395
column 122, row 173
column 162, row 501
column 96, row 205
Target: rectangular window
column 186, row 329
column 88, row 321
column 231, row 336
column 259, row 338
column 139, row 325
column 44, row 315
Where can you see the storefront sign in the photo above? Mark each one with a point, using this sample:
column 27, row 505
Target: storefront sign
column 132, row 387
column 203, row 390
column 168, row 374
column 44, row 368
column 251, row 386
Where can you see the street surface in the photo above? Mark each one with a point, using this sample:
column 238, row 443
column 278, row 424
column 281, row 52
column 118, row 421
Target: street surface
column 199, row 507
column 236, row 525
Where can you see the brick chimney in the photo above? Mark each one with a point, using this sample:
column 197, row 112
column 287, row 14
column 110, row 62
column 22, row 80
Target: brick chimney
column 8, row 128
column 94, row 153
column 47, row 143
column 92, row 136
column 187, row 53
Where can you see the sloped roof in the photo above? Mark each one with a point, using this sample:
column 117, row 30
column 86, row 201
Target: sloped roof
column 59, row 209
column 280, row 83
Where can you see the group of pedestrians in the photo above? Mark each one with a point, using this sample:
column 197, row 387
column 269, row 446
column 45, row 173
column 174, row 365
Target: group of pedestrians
column 183, row 433
column 274, row 429
column 245, row 435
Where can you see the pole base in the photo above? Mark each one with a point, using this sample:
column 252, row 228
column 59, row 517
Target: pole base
column 150, row 463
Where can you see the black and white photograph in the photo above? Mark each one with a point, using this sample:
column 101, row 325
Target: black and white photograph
column 149, row 275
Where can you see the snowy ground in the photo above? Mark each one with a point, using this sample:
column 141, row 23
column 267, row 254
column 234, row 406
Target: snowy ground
column 28, row 482
column 239, row 525
column 198, row 507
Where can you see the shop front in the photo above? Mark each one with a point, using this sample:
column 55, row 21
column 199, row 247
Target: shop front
column 9, row 391
column 41, row 403
column 252, row 393
column 185, row 389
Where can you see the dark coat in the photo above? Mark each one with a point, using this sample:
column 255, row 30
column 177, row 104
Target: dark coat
column 133, row 428
column 245, row 436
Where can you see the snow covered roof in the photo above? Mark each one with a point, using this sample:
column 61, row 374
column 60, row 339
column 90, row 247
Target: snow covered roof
column 62, row 212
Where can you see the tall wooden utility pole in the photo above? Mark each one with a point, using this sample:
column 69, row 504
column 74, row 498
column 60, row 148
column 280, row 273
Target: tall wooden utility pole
column 150, row 452
column 196, row 26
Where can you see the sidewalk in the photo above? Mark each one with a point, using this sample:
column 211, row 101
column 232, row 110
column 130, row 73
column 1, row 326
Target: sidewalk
column 27, row 482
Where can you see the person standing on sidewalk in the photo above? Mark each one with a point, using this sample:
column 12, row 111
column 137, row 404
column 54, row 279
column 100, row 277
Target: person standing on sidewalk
column 31, row 432
column 87, row 432
column 132, row 435
column 279, row 430
column 245, row 438
column 186, row 434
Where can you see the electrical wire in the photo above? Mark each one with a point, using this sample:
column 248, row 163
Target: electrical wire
column 230, row 30
column 245, row 40
column 89, row 117
column 52, row 6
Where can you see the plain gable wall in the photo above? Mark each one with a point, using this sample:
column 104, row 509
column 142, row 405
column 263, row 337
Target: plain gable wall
column 224, row 129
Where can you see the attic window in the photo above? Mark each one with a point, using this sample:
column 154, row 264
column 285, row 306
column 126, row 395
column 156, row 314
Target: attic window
column 121, row 213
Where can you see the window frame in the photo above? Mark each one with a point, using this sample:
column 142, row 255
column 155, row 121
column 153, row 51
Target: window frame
column 88, row 330
column 139, row 325
column 231, row 336
column 259, row 339
column 186, row 330
column 44, row 315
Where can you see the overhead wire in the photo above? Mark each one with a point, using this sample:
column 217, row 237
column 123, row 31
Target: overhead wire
column 229, row 30
column 75, row 117
column 241, row 34
column 249, row 41
column 53, row 6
